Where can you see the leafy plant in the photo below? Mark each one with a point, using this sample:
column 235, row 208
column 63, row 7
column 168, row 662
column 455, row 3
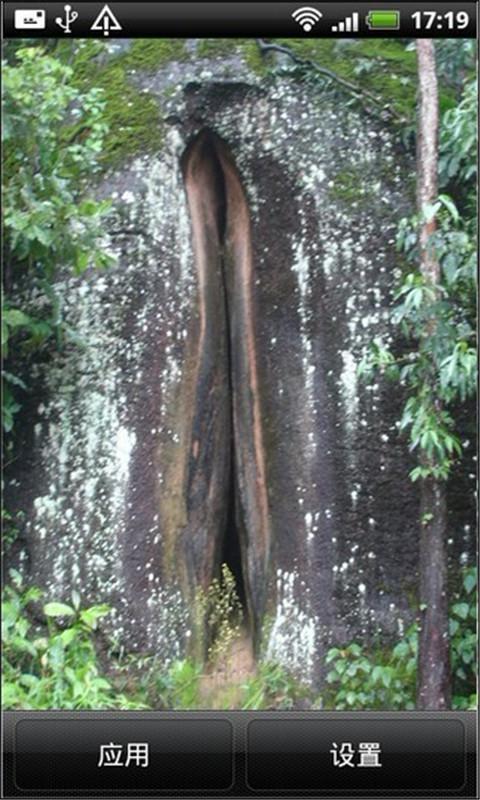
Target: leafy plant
column 273, row 687
column 149, row 683
column 458, row 142
column 386, row 679
column 381, row 680
column 52, row 138
column 181, row 685
column 437, row 363
column 56, row 667
column 440, row 367
column 463, row 637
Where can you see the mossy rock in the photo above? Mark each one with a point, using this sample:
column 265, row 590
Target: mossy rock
column 247, row 49
column 385, row 68
column 349, row 186
column 134, row 117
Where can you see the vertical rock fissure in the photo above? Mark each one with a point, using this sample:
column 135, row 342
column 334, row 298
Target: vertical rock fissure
column 208, row 199
column 231, row 554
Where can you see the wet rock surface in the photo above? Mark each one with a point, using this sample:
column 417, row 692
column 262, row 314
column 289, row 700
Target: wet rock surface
column 125, row 473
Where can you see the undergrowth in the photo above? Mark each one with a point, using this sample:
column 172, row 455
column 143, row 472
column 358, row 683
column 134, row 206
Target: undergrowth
column 54, row 662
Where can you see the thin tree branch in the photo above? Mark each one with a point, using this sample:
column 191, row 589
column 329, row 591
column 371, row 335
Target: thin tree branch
column 353, row 88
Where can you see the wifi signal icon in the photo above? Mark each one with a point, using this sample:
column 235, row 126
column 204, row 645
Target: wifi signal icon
column 307, row 17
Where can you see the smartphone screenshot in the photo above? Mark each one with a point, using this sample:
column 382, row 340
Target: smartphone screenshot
column 239, row 368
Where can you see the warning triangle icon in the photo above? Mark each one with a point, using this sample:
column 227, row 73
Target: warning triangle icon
column 106, row 22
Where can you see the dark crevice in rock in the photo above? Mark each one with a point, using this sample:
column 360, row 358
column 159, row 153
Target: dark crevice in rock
column 231, row 554
column 211, row 189
column 230, row 540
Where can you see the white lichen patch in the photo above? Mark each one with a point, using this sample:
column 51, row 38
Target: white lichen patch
column 292, row 636
column 90, row 429
column 349, row 390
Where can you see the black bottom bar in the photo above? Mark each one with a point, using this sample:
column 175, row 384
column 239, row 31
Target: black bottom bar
column 240, row 754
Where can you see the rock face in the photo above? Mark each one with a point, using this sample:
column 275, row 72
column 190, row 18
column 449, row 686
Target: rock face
column 212, row 410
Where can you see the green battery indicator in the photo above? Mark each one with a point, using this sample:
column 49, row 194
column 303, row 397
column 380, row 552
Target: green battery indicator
column 383, row 20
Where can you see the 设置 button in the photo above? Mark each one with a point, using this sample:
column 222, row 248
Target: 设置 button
column 348, row 755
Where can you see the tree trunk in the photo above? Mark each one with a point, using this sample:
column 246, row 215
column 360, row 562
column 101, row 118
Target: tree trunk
column 433, row 688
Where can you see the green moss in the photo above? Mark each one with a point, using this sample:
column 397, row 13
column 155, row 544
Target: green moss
column 349, row 186
column 253, row 57
column 210, row 48
column 385, row 68
column 135, row 118
column 247, row 49
column 148, row 54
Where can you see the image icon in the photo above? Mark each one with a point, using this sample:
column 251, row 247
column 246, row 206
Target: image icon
column 30, row 19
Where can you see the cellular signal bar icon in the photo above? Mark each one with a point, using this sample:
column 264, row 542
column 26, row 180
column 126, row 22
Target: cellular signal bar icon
column 349, row 25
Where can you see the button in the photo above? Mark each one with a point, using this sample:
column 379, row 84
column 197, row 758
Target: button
column 101, row 755
column 349, row 755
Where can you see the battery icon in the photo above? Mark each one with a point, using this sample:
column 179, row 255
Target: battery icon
column 383, row 20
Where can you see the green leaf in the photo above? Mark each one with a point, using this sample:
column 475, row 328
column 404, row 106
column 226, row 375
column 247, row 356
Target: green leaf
column 376, row 674
column 82, row 260
column 30, row 681
column 461, row 610
column 13, row 379
column 430, row 210
column 469, row 582
column 447, row 201
column 16, row 318
column 68, row 636
column 58, row 610
column 453, row 626
column 334, row 652
column 90, row 616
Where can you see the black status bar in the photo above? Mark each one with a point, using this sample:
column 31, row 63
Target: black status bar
column 248, row 19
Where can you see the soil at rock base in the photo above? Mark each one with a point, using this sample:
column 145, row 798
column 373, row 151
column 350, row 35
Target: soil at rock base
column 221, row 684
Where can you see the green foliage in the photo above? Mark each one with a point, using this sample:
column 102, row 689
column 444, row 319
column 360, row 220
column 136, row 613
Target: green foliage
column 458, row 142
column 273, row 687
column 381, row 680
column 456, row 61
column 52, row 136
column 176, row 687
column 463, row 638
column 46, row 220
column 438, row 362
column 150, row 684
column 9, row 529
column 440, row 370
column 56, row 667
column 179, row 688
